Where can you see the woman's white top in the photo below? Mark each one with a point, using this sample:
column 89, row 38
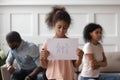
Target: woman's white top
column 97, row 51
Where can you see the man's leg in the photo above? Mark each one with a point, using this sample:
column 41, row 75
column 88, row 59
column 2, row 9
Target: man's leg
column 42, row 75
column 20, row 74
column 17, row 75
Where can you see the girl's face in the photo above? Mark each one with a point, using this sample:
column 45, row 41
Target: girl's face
column 96, row 34
column 61, row 28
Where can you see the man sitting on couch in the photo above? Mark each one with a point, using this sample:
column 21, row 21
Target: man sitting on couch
column 27, row 57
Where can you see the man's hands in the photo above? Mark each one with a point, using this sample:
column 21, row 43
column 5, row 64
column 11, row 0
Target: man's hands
column 28, row 78
column 10, row 69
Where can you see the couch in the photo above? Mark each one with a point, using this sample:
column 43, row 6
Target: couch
column 113, row 67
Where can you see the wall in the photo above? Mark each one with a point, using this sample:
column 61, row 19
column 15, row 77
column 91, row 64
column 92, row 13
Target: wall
column 29, row 20
column 59, row 2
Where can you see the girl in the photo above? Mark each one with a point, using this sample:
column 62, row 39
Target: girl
column 60, row 20
column 94, row 56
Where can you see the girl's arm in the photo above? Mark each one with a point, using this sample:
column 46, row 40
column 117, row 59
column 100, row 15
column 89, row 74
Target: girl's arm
column 103, row 63
column 43, row 58
column 77, row 63
column 92, row 61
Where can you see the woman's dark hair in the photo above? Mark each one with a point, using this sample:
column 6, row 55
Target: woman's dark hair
column 13, row 36
column 88, row 29
column 57, row 14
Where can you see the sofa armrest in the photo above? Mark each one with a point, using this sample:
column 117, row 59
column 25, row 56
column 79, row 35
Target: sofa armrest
column 5, row 74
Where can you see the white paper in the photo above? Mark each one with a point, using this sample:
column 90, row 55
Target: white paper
column 62, row 49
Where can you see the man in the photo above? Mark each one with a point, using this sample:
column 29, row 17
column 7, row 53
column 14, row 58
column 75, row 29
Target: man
column 27, row 57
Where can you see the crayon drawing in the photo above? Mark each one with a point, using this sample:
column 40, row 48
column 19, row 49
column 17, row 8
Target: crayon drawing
column 64, row 49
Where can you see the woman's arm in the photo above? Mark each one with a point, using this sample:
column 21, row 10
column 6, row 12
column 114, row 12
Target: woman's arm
column 9, row 62
column 77, row 63
column 103, row 63
column 92, row 61
column 43, row 58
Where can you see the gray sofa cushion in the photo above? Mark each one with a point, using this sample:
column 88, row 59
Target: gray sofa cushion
column 113, row 60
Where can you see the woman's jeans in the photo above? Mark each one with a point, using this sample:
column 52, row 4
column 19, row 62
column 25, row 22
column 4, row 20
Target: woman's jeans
column 103, row 77
column 88, row 78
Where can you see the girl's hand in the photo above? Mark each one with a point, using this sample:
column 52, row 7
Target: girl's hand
column 77, row 63
column 92, row 61
column 80, row 53
column 44, row 54
column 94, row 64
